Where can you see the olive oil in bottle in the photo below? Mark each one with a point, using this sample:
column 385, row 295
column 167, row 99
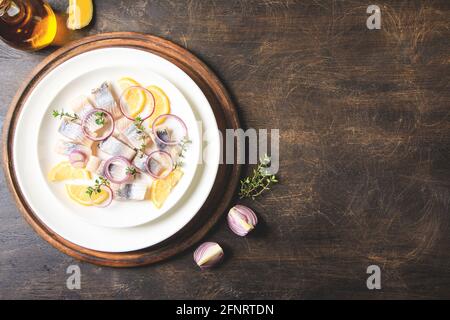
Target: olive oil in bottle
column 27, row 24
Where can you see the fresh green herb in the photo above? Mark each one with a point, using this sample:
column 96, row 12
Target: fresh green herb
column 142, row 135
column 97, row 188
column 100, row 118
column 62, row 113
column 183, row 148
column 131, row 171
column 260, row 181
column 142, row 148
column 138, row 123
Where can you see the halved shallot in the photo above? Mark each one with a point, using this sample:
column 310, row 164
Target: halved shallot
column 208, row 255
column 241, row 220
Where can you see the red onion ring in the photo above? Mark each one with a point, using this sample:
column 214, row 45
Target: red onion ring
column 108, row 201
column 77, row 158
column 154, row 128
column 122, row 102
column 84, row 125
column 167, row 172
column 107, row 171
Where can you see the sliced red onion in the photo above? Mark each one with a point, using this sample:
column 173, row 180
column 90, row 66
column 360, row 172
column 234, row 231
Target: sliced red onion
column 149, row 105
column 155, row 164
column 108, row 201
column 88, row 124
column 241, row 220
column 120, row 161
column 208, row 255
column 177, row 127
column 77, row 158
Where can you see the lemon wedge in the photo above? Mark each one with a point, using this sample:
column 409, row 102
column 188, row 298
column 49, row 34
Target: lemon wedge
column 78, row 194
column 162, row 103
column 64, row 171
column 161, row 188
column 135, row 98
column 80, row 13
column 175, row 176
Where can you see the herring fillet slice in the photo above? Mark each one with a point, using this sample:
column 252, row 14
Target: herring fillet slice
column 64, row 148
column 104, row 99
column 81, row 106
column 73, row 131
column 115, row 147
column 93, row 164
column 135, row 137
column 129, row 191
column 140, row 161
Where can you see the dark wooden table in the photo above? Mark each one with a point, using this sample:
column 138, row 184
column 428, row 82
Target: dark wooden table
column 365, row 153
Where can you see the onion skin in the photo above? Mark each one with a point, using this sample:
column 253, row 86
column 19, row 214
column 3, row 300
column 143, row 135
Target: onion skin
column 241, row 220
column 208, row 255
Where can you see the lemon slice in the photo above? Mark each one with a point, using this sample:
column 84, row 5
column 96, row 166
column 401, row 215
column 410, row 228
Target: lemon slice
column 80, row 14
column 161, row 188
column 175, row 176
column 64, row 171
column 159, row 192
column 135, row 98
column 126, row 82
column 162, row 103
column 78, row 194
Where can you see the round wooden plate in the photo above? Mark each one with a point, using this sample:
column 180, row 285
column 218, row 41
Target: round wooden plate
column 227, row 177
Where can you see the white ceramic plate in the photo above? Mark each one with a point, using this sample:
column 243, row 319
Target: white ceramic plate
column 120, row 214
column 33, row 145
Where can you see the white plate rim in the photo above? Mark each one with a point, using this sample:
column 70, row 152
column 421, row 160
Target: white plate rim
column 209, row 169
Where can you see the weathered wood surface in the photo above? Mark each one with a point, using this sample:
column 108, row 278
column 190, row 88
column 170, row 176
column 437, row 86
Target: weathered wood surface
column 365, row 144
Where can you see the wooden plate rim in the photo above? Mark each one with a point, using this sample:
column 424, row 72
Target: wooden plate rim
column 199, row 226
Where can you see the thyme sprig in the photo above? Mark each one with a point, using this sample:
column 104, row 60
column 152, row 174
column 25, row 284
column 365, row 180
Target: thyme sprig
column 142, row 135
column 131, row 171
column 61, row 114
column 100, row 118
column 183, row 148
column 138, row 124
column 259, row 181
column 97, row 188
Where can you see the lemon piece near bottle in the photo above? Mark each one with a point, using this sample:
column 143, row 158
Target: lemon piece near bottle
column 78, row 194
column 80, row 14
column 135, row 98
column 161, row 188
column 162, row 103
column 65, row 171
